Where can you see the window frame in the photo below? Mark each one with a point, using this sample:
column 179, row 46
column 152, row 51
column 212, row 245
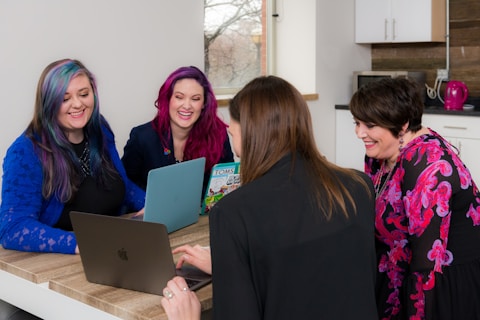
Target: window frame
column 267, row 52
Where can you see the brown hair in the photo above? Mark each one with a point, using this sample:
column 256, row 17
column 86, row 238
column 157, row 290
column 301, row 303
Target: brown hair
column 275, row 121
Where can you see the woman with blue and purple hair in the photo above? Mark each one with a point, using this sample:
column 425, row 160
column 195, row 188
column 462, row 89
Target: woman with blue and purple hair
column 65, row 160
column 185, row 127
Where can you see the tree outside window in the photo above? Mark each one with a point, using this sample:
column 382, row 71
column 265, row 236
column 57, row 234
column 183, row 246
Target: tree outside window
column 235, row 42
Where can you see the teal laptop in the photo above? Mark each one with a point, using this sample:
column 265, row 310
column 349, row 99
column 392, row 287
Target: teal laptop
column 174, row 194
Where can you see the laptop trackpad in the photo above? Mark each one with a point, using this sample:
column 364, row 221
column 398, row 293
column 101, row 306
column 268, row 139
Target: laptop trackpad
column 194, row 277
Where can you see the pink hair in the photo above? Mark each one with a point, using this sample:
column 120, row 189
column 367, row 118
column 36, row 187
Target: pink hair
column 208, row 135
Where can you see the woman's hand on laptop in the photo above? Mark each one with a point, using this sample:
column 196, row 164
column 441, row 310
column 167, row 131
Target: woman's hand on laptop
column 197, row 256
column 139, row 213
column 179, row 302
column 135, row 215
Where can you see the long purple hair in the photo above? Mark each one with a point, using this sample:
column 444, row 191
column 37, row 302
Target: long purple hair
column 61, row 168
column 208, row 135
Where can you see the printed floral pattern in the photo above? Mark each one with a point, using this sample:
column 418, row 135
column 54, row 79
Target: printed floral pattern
column 413, row 216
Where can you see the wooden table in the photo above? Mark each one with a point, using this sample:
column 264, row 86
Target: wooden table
column 53, row 286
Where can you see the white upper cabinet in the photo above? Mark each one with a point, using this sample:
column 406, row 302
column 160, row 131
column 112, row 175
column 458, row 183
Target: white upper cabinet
column 385, row 21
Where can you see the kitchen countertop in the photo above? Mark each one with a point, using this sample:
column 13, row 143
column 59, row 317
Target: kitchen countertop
column 433, row 110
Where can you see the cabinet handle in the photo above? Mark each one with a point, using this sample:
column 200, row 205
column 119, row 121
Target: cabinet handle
column 393, row 30
column 386, row 29
column 455, row 127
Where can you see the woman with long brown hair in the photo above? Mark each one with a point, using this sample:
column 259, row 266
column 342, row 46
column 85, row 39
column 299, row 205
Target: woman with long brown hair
column 296, row 240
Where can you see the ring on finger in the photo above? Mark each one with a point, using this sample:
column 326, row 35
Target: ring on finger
column 168, row 294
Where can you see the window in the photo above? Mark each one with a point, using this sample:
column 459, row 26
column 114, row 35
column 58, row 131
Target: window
column 235, row 42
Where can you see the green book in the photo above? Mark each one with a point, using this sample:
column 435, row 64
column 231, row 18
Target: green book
column 224, row 178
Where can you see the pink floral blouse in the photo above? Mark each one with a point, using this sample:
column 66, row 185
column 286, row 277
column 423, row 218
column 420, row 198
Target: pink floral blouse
column 427, row 230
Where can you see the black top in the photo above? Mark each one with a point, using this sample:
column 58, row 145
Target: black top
column 92, row 197
column 144, row 151
column 275, row 257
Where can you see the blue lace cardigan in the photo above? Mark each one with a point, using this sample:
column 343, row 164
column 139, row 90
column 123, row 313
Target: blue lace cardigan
column 26, row 217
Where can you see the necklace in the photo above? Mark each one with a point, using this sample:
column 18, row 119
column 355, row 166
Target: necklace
column 379, row 186
column 85, row 160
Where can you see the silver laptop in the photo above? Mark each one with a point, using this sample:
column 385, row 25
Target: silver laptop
column 129, row 254
column 174, row 192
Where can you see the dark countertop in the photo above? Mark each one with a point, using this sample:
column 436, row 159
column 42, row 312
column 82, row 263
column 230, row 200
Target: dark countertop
column 433, row 110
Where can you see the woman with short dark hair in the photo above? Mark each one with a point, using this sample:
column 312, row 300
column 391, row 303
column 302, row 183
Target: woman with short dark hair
column 427, row 208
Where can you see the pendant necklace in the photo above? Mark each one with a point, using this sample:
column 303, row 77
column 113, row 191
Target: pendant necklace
column 379, row 186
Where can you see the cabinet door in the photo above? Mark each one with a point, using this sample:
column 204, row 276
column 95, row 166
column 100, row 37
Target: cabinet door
column 349, row 150
column 372, row 21
column 385, row 21
column 463, row 132
column 411, row 20
column 469, row 153
column 468, row 150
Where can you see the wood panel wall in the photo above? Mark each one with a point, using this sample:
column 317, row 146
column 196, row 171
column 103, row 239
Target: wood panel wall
column 464, row 50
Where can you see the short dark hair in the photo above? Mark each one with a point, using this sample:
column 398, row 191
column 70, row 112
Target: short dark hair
column 389, row 103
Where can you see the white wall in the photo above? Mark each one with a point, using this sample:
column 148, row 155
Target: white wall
column 317, row 53
column 131, row 46
column 337, row 57
column 295, row 43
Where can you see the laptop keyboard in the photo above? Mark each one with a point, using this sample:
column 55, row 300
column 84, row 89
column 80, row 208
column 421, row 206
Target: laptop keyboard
column 191, row 282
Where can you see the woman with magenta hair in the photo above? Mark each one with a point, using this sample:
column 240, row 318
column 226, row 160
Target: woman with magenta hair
column 65, row 160
column 186, row 127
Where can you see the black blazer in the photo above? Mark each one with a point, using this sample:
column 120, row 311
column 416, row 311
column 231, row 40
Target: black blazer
column 275, row 257
column 144, row 151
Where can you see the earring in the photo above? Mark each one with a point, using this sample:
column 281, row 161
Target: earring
column 401, row 141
